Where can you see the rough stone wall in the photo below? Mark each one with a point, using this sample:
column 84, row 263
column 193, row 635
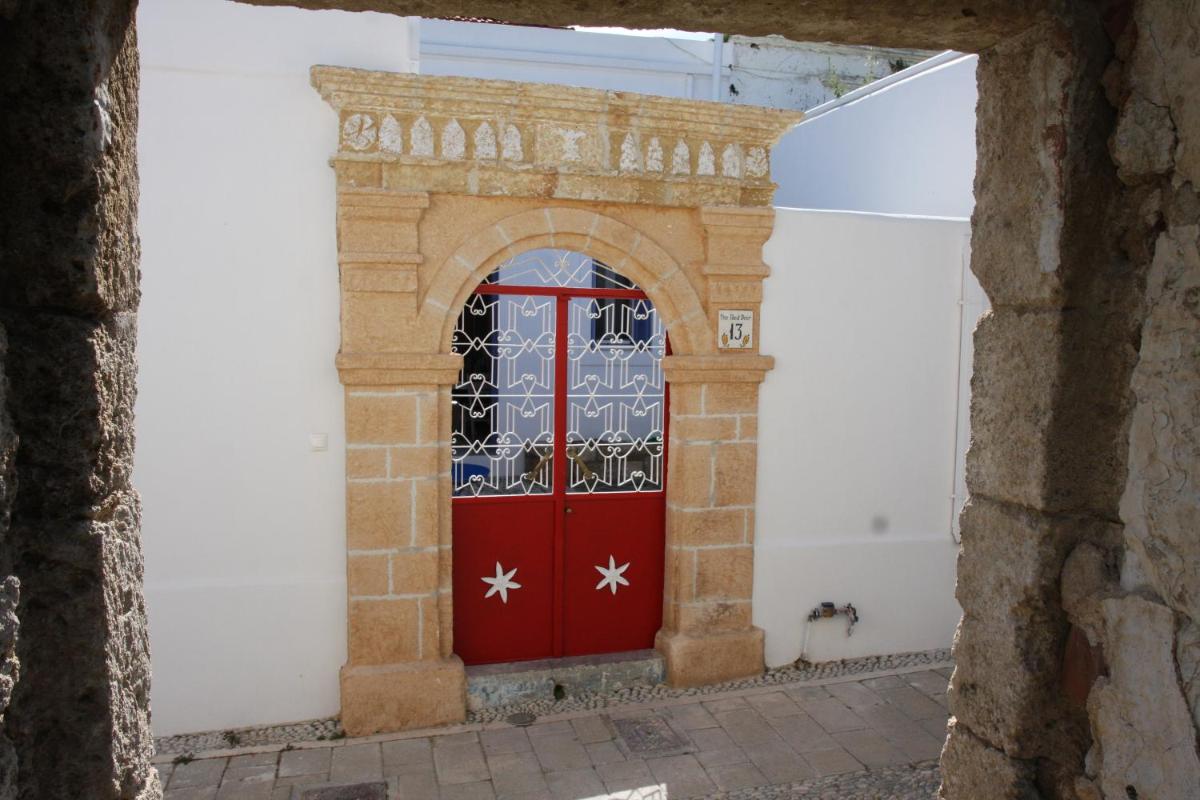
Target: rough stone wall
column 9, row 585
column 966, row 25
column 79, row 717
column 1145, row 616
column 1078, row 653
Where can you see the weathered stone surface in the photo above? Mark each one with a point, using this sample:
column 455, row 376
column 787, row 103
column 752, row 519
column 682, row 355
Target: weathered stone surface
column 697, row 660
column 929, row 24
column 981, row 772
column 10, row 590
column 1014, row 626
column 1161, row 504
column 1144, row 140
column 406, row 695
column 1187, row 659
column 1089, row 576
column 1163, row 70
column 79, row 717
column 1145, row 738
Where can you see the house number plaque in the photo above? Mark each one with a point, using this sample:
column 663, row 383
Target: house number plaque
column 735, row 329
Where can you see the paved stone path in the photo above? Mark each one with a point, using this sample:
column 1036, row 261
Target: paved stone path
column 869, row 738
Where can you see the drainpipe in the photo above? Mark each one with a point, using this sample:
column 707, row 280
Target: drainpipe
column 718, row 52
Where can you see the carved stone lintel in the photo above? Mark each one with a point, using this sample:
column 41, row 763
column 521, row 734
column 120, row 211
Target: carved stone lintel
column 482, row 137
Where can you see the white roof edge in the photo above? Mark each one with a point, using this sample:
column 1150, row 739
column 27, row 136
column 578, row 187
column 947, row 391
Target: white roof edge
column 853, row 213
column 940, row 60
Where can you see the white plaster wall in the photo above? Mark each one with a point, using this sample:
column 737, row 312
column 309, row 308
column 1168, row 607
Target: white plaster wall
column 779, row 73
column 906, row 149
column 857, row 427
column 243, row 524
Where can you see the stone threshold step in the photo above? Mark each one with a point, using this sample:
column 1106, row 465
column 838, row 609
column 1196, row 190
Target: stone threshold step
column 490, row 685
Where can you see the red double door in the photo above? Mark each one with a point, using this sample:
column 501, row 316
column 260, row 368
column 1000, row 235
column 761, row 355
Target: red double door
column 559, row 467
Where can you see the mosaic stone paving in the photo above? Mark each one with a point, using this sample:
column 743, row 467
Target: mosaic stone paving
column 331, row 729
column 871, row 736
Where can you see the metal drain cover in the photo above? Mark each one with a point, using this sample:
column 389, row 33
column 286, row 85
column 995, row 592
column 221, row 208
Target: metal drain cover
column 521, row 719
column 354, row 791
column 650, row 737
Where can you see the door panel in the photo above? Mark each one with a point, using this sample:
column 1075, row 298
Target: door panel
column 517, row 534
column 628, row 528
column 558, row 451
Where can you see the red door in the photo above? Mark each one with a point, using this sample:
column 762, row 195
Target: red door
column 558, row 463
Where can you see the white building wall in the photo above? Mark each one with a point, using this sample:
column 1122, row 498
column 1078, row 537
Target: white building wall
column 243, row 523
column 775, row 72
column 650, row 65
column 857, row 433
column 906, row 149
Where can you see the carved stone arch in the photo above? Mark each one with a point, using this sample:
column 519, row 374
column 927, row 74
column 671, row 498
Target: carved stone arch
column 619, row 246
column 691, row 237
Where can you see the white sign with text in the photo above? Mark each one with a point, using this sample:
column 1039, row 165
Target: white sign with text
column 734, row 329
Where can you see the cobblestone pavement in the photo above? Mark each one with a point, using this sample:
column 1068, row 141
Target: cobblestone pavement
column 875, row 737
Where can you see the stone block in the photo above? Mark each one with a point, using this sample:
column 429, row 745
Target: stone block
column 378, row 515
column 731, row 398
column 686, row 399
column 380, row 418
column 427, row 607
column 969, row 763
column 725, row 573
column 382, row 322
column 1013, row 390
column 383, row 631
column 694, row 660
column 614, row 233
column 415, row 572
column 402, row 696
column 736, row 469
column 429, row 410
column 680, row 574
column 481, row 247
column 704, row 428
column 1144, row 732
column 431, row 500
column 715, row 617
column 1020, row 180
column 707, row 526
column 415, row 462
column 1013, row 632
column 366, row 462
column 367, row 575
column 689, row 480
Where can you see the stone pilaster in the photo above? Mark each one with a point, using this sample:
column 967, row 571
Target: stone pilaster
column 707, row 634
column 733, row 265
column 400, row 670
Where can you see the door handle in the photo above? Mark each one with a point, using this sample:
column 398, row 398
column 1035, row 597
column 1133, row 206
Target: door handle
column 570, row 510
column 578, row 459
column 531, row 474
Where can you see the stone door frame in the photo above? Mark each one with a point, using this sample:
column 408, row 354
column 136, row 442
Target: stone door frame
column 439, row 181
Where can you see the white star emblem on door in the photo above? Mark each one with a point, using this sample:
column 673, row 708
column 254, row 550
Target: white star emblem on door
column 612, row 575
column 501, row 583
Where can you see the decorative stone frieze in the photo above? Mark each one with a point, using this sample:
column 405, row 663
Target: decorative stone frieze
column 439, row 181
column 502, row 138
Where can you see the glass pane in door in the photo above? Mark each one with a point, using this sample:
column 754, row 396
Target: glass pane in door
column 615, row 396
column 503, row 405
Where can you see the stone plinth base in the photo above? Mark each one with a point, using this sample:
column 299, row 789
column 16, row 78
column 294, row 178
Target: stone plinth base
column 699, row 660
column 396, row 697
